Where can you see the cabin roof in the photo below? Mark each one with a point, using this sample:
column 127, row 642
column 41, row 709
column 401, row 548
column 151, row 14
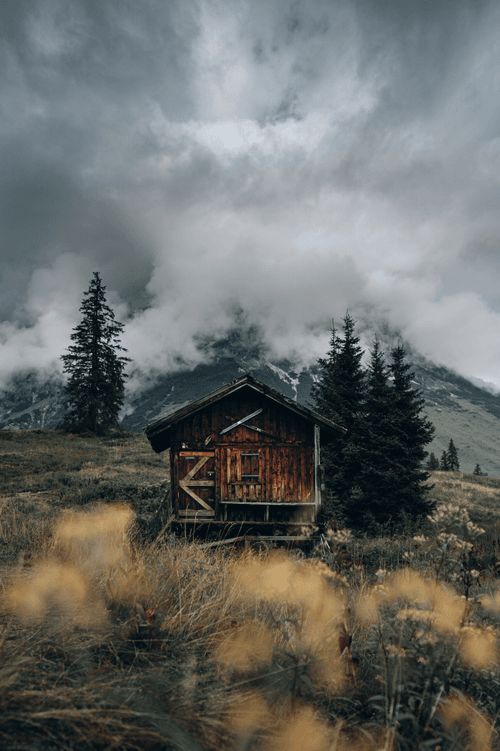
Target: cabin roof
column 158, row 432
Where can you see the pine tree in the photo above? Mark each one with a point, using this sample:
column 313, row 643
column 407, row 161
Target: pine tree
column 350, row 376
column 477, row 471
column 338, row 395
column 432, row 464
column 374, row 497
column 339, row 391
column 374, row 473
column 452, row 456
column 324, row 393
column 445, row 467
column 95, row 389
column 411, row 432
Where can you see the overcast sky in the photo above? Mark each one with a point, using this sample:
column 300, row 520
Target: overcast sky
column 288, row 159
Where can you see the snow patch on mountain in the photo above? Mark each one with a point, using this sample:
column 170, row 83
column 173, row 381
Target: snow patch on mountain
column 294, row 382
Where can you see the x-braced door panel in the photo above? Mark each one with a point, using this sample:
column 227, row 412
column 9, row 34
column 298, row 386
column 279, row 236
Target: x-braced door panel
column 196, row 482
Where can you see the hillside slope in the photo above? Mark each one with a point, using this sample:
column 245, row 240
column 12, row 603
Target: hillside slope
column 460, row 410
column 457, row 408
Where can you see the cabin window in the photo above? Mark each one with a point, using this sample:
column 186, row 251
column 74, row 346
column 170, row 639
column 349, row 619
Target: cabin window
column 250, row 467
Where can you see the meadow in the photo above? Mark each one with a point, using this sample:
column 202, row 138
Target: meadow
column 113, row 636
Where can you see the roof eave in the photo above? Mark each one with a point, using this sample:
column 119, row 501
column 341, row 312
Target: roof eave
column 159, row 427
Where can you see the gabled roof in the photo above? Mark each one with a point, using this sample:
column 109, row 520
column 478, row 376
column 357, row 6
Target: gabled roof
column 158, row 431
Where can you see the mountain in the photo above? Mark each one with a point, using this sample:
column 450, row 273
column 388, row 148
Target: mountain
column 458, row 408
column 461, row 410
column 32, row 400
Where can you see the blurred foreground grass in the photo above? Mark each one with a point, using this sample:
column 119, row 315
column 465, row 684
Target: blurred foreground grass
column 108, row 642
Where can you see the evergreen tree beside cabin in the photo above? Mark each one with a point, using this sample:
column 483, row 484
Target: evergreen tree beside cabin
column 338, row 395
column 412, row 431
column 95, row 389
column 374, row 473
column 374, row 493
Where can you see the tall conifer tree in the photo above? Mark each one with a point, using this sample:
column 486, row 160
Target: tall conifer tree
column 339, row 396
column 374, row 472
column 444, row 466
column 350, row 377
column 95, row 389
column 326, row 399
column 411, row 432
column 432, row 464
column 452, row 456
column 374, row 497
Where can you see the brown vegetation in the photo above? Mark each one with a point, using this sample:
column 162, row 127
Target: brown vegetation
column 110, row 640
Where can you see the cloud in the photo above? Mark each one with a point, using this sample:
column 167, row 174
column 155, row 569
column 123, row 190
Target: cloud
column 287, row 159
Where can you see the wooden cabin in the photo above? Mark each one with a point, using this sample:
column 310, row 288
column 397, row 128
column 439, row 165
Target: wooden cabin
column 244, row 453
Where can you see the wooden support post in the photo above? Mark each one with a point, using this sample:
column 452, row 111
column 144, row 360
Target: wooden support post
column 317, row 479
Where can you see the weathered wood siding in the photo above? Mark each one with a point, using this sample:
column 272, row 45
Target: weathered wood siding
column 285, row 474
column 208, row 422
column 281, row 454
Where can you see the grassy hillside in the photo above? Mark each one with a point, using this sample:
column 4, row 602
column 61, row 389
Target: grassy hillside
column 475, row 431
column 45, row 472
column 479, row 495
column 111, row 639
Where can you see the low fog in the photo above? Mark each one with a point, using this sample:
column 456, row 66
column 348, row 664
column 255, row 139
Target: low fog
column 269, row 161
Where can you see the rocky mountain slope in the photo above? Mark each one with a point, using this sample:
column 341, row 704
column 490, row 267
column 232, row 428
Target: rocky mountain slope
column 458, row 408
column 32, row 400
column 461, row 410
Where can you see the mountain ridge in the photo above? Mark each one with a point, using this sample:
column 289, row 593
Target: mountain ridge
column 457, row 407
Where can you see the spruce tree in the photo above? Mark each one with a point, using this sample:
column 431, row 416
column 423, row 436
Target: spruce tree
column 445, row 467
column 374, row 497
column 338, row 395
column 411, row 432
column 477, row 471
column 452, row 456
column 350, row 377
column 339, row 390
column 324, row 393
column 374, row 472
column 432, row 464
column 95, row 389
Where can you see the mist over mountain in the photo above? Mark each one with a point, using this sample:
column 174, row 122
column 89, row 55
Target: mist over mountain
column 289, row 158
column 460, row 409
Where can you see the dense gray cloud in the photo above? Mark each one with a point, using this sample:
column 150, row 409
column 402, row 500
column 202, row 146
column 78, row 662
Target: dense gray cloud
column 288, row 159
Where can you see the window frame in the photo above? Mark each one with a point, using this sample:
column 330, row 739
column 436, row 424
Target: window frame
column 250, row 476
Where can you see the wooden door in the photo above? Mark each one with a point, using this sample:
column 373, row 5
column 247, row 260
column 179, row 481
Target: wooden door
column 196, row 483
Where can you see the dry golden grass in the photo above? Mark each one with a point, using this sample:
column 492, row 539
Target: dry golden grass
column 228, row 652
column 466, row 489
column 108, row 642
column 479, row 495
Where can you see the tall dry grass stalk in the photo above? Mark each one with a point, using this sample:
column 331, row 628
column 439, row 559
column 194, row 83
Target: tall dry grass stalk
column 152, row 646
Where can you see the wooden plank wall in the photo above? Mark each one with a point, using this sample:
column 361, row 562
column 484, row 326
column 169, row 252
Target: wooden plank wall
column 286, row 473
column 286, row 463
column 275, row 419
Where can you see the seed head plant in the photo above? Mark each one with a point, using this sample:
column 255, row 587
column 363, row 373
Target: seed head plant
column 149, row 645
